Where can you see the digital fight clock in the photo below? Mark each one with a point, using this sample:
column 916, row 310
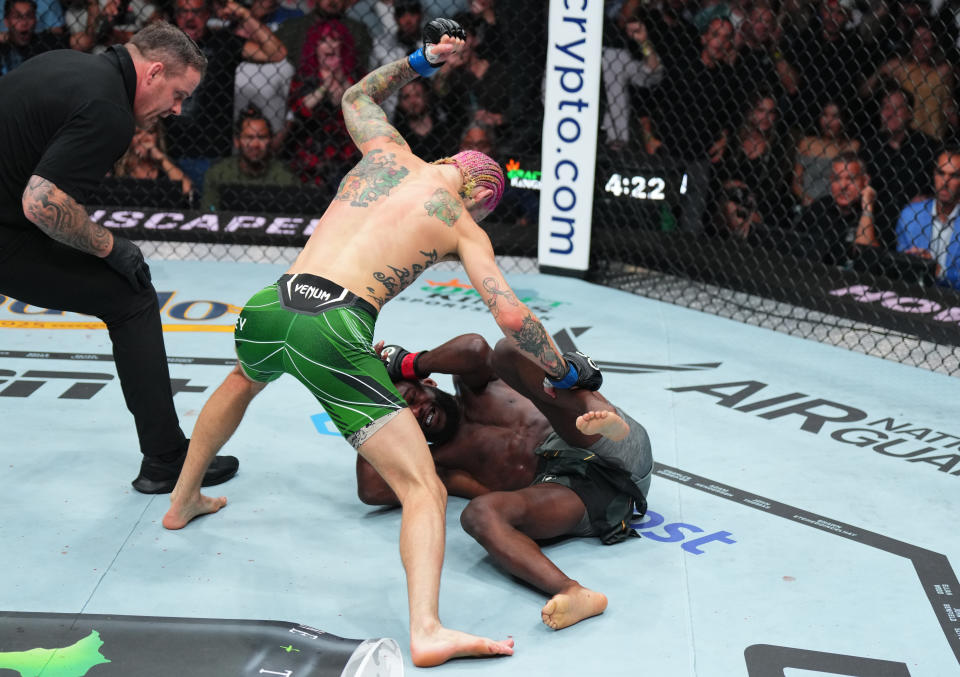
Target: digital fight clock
column 653, row 194
column 641, row 187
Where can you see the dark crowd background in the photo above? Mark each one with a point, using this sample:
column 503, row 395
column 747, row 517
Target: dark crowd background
column 791, row 163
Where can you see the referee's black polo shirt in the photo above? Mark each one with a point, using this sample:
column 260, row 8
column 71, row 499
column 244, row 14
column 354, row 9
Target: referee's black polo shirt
column 66, row 116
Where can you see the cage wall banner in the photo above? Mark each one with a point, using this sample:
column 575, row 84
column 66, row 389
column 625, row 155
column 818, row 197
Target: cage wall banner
column 569, row 143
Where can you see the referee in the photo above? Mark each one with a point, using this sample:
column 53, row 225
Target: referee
column 65, row 118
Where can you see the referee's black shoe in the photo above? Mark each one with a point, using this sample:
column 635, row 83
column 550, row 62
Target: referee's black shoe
column 160, row 477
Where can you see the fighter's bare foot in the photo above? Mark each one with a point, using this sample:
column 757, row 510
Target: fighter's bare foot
column 182, row 511
column 443, row 644
column 566, row 608
column 605, row 423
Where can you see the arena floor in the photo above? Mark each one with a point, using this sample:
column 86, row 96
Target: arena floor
column 799, row 518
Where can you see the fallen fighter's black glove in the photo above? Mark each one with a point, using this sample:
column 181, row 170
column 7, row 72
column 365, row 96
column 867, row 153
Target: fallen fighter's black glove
column 402, row 364
column 582, row 372
column 127, row 259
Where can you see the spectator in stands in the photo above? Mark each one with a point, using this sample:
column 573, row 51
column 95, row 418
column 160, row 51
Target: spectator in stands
column 762, row 53
column 830, row 59
column 929, row 229
column 710, row 10
column 147, row 159
column 703, row 102
column 271, row 13
column 266, row 85
column 481, row 138
column 471, row 88
column 300, row 36
column 482, row 16
column 670, row 28
column 416, row 120
column 321, row 148
column 757, row 157
column 676, row 43
column 765, row 63
column 839, row 229
column 900, row 160
column 637, row 64
column 404, row 39
column 377, row 15
column 253, row 164
column 49, row 18
column 203, row 132
column 23, row 41
column 94, row 25
column 928, row 77
column 813, row 159
column 737, row 215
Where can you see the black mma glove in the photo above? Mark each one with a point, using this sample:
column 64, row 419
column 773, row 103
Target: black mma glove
column 127, row 259
column 402, row 364
column 582, row 372
column 423, row 61
column 434, row 31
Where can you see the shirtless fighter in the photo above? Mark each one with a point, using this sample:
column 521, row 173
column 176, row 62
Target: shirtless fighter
column 535, row 465
column 392, row 217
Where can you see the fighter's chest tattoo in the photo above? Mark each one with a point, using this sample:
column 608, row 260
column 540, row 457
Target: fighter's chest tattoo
column 398, row 278
column 373, row 177
column 444, row 206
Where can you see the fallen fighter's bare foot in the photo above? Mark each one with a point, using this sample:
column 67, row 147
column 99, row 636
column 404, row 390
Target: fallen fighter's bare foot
column 566, row 608
column 605, row 423
column 182, row 511
column 438, row 647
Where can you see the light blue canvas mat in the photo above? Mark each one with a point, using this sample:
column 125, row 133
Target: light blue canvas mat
column 802, row 516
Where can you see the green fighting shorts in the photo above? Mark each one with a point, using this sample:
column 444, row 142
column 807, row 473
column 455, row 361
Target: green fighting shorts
column 321, row 334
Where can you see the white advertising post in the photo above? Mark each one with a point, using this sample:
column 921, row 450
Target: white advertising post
column 569, row 145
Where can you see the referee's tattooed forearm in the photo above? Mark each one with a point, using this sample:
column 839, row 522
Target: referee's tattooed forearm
column 63, row 218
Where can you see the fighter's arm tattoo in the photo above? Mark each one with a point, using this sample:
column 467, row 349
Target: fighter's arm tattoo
column 372, row 178
column 491, row 287
column 400, row 279
column 63, row 218
column 444, row 206
column 532, row 338
column 364, row 117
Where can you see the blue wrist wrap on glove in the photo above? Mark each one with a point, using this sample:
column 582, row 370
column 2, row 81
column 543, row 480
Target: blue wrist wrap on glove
column 418, row 61
column 568, row 380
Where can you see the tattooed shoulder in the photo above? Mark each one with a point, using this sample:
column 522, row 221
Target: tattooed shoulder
column 391, row 283
column 372, row 178
column 445, row 206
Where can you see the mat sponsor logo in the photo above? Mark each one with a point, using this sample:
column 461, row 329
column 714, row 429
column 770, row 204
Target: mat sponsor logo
column 453, row 293
column 652, row 523
column 885, row 435
column 199, row 311
column 71, row 385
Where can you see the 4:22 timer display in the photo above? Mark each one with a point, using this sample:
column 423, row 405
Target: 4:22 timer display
column 640, row 187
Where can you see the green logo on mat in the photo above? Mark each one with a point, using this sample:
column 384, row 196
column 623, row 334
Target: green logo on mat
column 71, row 661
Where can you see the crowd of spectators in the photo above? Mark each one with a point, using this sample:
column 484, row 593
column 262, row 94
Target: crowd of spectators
column 814, row 117
column 830, row 127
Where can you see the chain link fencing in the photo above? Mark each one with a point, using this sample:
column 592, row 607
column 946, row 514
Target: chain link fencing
column 788, row 164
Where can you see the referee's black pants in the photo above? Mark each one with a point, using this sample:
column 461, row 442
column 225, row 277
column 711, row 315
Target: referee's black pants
column 42, row 272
